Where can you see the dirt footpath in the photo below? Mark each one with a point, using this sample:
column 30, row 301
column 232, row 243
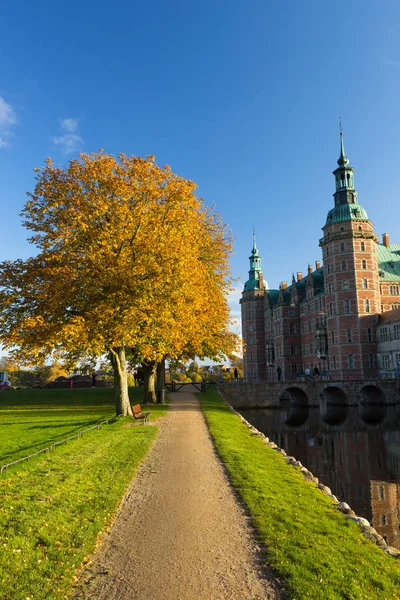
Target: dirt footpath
column 181, row 534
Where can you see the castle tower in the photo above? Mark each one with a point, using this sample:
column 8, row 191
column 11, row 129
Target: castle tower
column 252, row 308
column 351, row 280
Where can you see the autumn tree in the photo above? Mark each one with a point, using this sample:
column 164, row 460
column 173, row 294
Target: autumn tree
column 129, row 259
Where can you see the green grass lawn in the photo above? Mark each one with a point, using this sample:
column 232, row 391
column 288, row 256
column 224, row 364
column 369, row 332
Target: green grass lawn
column 319, row 553
column 54, row 506
column 34, row 419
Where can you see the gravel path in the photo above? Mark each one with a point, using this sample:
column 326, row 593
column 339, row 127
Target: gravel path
column 181, row 533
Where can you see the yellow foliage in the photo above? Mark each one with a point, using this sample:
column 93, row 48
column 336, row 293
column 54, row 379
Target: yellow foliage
column 128, row 257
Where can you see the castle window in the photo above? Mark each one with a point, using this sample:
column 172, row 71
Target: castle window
column 394, row 306
column 351, row 361
column 293, row 350
column 345, row 284
column 394, row 290
column 384, row 334
column 383, row 519
column 369, row 334
column 347, row 306
column 366, row 303
column 364, row 264
column 294, row 369
column 371, row 360
column 349, row 336
column 331, row 308
column 342, row 229
column 330, row 288
column 333, row 337
column 344, row 265
column 334, row 361
column 365, row 283
column 309, row 325
column 329, row 269
column 381, row 492
column 359, row 228
column 342, row 247
column 396, row 332
column 362, row 246
column 386, row 361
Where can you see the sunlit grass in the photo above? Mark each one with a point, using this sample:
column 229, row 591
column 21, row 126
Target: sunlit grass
column 320, row 554
column 54, row 506
column 33, row 419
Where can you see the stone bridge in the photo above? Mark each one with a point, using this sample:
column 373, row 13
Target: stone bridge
column 327, row 395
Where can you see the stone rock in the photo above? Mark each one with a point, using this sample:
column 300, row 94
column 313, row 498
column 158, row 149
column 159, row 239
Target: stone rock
column 380, row 542
column 333, row 497
column 370, row 534
column 343, row 506
column 297, row 463
column 290, row 459
column 314, row 480
column 358, row 520
column 325, row 489
column 305, row 472
column 272, row 445
column 392, row 551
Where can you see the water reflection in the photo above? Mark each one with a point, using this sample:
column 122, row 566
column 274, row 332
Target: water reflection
column 353, row 450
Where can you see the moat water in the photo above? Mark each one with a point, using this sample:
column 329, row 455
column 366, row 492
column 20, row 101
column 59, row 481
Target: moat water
column 356, row 454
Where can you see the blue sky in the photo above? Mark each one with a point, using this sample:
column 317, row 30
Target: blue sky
column 242, row 97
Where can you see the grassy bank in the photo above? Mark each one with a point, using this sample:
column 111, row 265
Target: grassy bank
column 33, row 419
column 319, row 553
column 54, row 506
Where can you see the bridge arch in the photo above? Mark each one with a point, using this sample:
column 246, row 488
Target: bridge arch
column 334, row 405
column 294, row 404
column 372, row 404
column 294, row 395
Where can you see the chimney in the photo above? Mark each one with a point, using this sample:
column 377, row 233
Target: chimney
column 309, row 269
column 385, row 239
column 317, row 265
column 299, row 276
column 261, row 281
column 283, row 285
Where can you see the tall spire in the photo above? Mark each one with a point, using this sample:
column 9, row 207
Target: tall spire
column 256, row 280
column 254, row 250
column 343, row 161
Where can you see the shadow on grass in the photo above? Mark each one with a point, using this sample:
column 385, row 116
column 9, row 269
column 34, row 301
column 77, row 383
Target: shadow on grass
column 19, row 452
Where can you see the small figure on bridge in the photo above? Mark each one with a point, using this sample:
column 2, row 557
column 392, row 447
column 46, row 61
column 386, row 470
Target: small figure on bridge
column 279, row 373
column 307, row 373
column 316, row 372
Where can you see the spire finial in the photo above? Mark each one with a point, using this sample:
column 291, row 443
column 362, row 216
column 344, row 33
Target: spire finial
column 343, row 160
column 254, row 238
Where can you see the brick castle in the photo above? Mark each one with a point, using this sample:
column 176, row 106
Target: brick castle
column 326, row 319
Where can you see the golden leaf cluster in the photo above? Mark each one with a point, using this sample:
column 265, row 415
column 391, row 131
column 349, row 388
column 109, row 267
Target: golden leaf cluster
column 128, row 257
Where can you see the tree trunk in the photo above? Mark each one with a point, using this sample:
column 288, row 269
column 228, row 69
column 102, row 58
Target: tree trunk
column 150, row 375
column 121, row 397
column 161, row 375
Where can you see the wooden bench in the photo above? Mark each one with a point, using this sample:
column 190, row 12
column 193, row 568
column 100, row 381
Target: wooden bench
column 138, row 414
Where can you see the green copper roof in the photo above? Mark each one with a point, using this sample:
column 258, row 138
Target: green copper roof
column 388, row 262
column 253, row 283
column 346, row 212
